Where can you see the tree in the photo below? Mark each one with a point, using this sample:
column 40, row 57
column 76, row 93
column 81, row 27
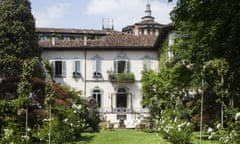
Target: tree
column 208, row 32
column 18, row 40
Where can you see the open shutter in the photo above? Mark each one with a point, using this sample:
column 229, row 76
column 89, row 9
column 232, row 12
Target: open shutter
column 98, row 65
column 94, row 65
column 77, row 66
column 63, row 68
column 127, row 66
column 115, row 66
column 52, row 64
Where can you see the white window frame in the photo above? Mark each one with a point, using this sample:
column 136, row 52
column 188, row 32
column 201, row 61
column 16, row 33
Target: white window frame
column 121, row 58
column 76, row 68
column 98, row 96
column 97, row 65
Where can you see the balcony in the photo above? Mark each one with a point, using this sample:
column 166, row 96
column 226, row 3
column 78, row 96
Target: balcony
column 121, row 77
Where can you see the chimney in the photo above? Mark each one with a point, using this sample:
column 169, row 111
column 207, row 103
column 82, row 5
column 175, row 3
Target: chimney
column 85, row 40
column 53, row 40
column 107, row 24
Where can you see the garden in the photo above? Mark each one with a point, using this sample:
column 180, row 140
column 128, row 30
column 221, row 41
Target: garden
column 193, row 98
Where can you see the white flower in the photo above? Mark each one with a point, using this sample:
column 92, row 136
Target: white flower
column 210, row 137
column 237, row 116
column 175, row 120
column 45, row 120
column 218, row 126
column 65, row 120
column 25, row 137
column 210, row 130
column 74, row 106
column 181, row 125
column 74, row 111
column 79, row 107
column 8, row 133
column 179, row 129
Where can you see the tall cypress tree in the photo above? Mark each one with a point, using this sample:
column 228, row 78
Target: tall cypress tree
column 18, row 40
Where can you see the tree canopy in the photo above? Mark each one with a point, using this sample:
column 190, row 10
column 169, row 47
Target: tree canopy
column 208, row 30
column 207, row 46
column 18, row 40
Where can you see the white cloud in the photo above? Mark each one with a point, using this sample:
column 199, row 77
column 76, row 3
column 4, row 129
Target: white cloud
column 49, row 15
column 127, row 12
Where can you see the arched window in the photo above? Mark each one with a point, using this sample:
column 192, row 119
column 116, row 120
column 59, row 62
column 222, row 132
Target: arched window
column 121, row 98
column 96, row 94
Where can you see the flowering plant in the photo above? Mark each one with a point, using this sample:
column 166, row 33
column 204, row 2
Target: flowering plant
column 228, row 135
column 176, row 130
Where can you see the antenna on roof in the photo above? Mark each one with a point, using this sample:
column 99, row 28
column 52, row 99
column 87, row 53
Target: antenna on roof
column 107, row 24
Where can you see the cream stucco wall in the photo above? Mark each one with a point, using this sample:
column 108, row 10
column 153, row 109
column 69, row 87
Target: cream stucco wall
column 87, row 83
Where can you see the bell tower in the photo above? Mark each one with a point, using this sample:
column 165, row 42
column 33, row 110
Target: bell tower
column 148, row 13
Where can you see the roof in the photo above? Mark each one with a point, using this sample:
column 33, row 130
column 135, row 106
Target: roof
column 72, row 31
column 111, row 39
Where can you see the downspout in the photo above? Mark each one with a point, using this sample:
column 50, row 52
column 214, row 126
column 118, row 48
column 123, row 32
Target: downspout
column 85, row 64
column 85, row 71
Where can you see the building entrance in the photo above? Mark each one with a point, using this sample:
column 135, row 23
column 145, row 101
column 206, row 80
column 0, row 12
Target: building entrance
column 121, row 99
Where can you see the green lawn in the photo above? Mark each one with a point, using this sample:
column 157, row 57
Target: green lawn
column 129, row 137
column 121, row 137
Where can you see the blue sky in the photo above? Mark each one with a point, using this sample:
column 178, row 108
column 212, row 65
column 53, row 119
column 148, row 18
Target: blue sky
column 88, row 14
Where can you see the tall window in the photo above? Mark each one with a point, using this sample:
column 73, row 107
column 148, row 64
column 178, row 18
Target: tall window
column 121, row 64
column 76, row 69
column 97, row 96
column 97, row 67
column 59, row 68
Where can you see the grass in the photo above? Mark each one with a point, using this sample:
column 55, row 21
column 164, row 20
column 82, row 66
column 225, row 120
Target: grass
column 121, row 137
column 130, row 137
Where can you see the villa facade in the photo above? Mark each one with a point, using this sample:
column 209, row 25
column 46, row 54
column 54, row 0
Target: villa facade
column 105, row 64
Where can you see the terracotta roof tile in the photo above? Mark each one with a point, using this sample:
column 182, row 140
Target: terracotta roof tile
column 70, row 31
column 115, row 39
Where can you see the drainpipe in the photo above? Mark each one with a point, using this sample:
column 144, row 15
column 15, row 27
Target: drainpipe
column 85, row 71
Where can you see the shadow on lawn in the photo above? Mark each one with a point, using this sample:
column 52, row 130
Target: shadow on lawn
column 86, row 138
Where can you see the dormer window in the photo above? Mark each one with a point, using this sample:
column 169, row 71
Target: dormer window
column 76, row 69
column 97, row 67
